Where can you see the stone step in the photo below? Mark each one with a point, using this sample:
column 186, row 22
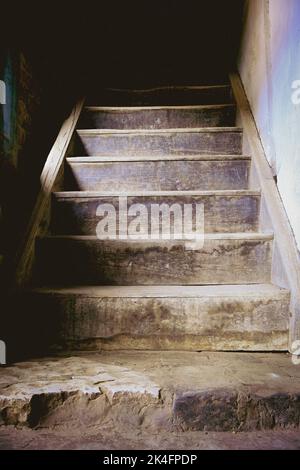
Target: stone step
column 75, row 213
column 211, row 318
column 155, row 392
column 211, row 140
column 171, row 173
column 224, row 259
column 163, row 96
column 166, row 117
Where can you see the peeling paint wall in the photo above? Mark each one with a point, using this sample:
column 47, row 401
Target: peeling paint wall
column 269, row 64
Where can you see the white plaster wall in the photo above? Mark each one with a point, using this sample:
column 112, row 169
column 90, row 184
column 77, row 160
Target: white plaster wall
column 269, row 64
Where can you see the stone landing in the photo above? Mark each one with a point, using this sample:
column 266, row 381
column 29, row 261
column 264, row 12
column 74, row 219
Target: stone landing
column 174, row 392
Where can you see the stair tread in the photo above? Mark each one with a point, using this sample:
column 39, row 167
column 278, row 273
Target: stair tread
column 160, row 117
column 154, row 158
column 151, row 108
column 207, row 236
column 257, row 290
column 97, row 194
column 179, row 130
column 170, row 88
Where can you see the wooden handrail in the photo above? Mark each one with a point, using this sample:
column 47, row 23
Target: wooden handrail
column 52, row 167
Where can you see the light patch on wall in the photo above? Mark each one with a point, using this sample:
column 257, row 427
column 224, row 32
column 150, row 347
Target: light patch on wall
column 270, row 70
column 2, row 353
column 296, row 92
column 2, row 92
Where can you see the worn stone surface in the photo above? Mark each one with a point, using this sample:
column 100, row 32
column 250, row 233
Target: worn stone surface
column 163, row 318
column 217, row 140
column 225, row 212
column 154, row 391
column 158, row 117
column 160, row 175
column 224, row 259
column 132, row 438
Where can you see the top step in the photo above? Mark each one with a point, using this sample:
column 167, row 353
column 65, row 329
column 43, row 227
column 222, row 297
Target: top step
column 163, row 96
column 157, row 117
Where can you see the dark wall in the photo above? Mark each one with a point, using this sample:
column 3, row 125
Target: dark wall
column 50, row 53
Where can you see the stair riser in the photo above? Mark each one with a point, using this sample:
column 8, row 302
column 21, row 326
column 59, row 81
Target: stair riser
column 172, row 143
column 225, row 214
column 164, row 97
column 159, row 175
column 158, row 118
column 159, row 263
column 191, row 324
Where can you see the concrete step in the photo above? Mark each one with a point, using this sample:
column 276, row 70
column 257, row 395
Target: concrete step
column 168, row 117
column 74, row 213
column 163, row 96
column 160, row 173
column 224, row 259
column 155, row 392
column 211, row 318
column 211, row 140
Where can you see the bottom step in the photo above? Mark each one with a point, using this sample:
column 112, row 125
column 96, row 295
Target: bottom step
column 194, row 318
column 162, row 391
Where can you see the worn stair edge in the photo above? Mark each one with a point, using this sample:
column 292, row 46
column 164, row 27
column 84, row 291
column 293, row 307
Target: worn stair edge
column 120, row 109
column 98, row 194
column 154, row 158
column 171, row 88
column 264, row 236
column 199, row 130
column 259, row 291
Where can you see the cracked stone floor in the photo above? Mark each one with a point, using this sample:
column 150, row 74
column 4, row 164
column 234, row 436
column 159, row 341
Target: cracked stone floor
column 151, row 400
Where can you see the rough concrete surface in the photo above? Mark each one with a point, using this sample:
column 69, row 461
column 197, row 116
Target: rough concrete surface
column 185, row 318
column 108, row 438
column 212, row 140
column 151, row 400
column 223, row 259
column 157, row 175
column 171, row 117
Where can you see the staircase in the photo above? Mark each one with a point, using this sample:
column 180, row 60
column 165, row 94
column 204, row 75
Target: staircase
column 163, row 146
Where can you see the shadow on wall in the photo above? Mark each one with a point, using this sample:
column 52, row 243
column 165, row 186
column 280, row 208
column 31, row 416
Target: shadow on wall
column 27, row 135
